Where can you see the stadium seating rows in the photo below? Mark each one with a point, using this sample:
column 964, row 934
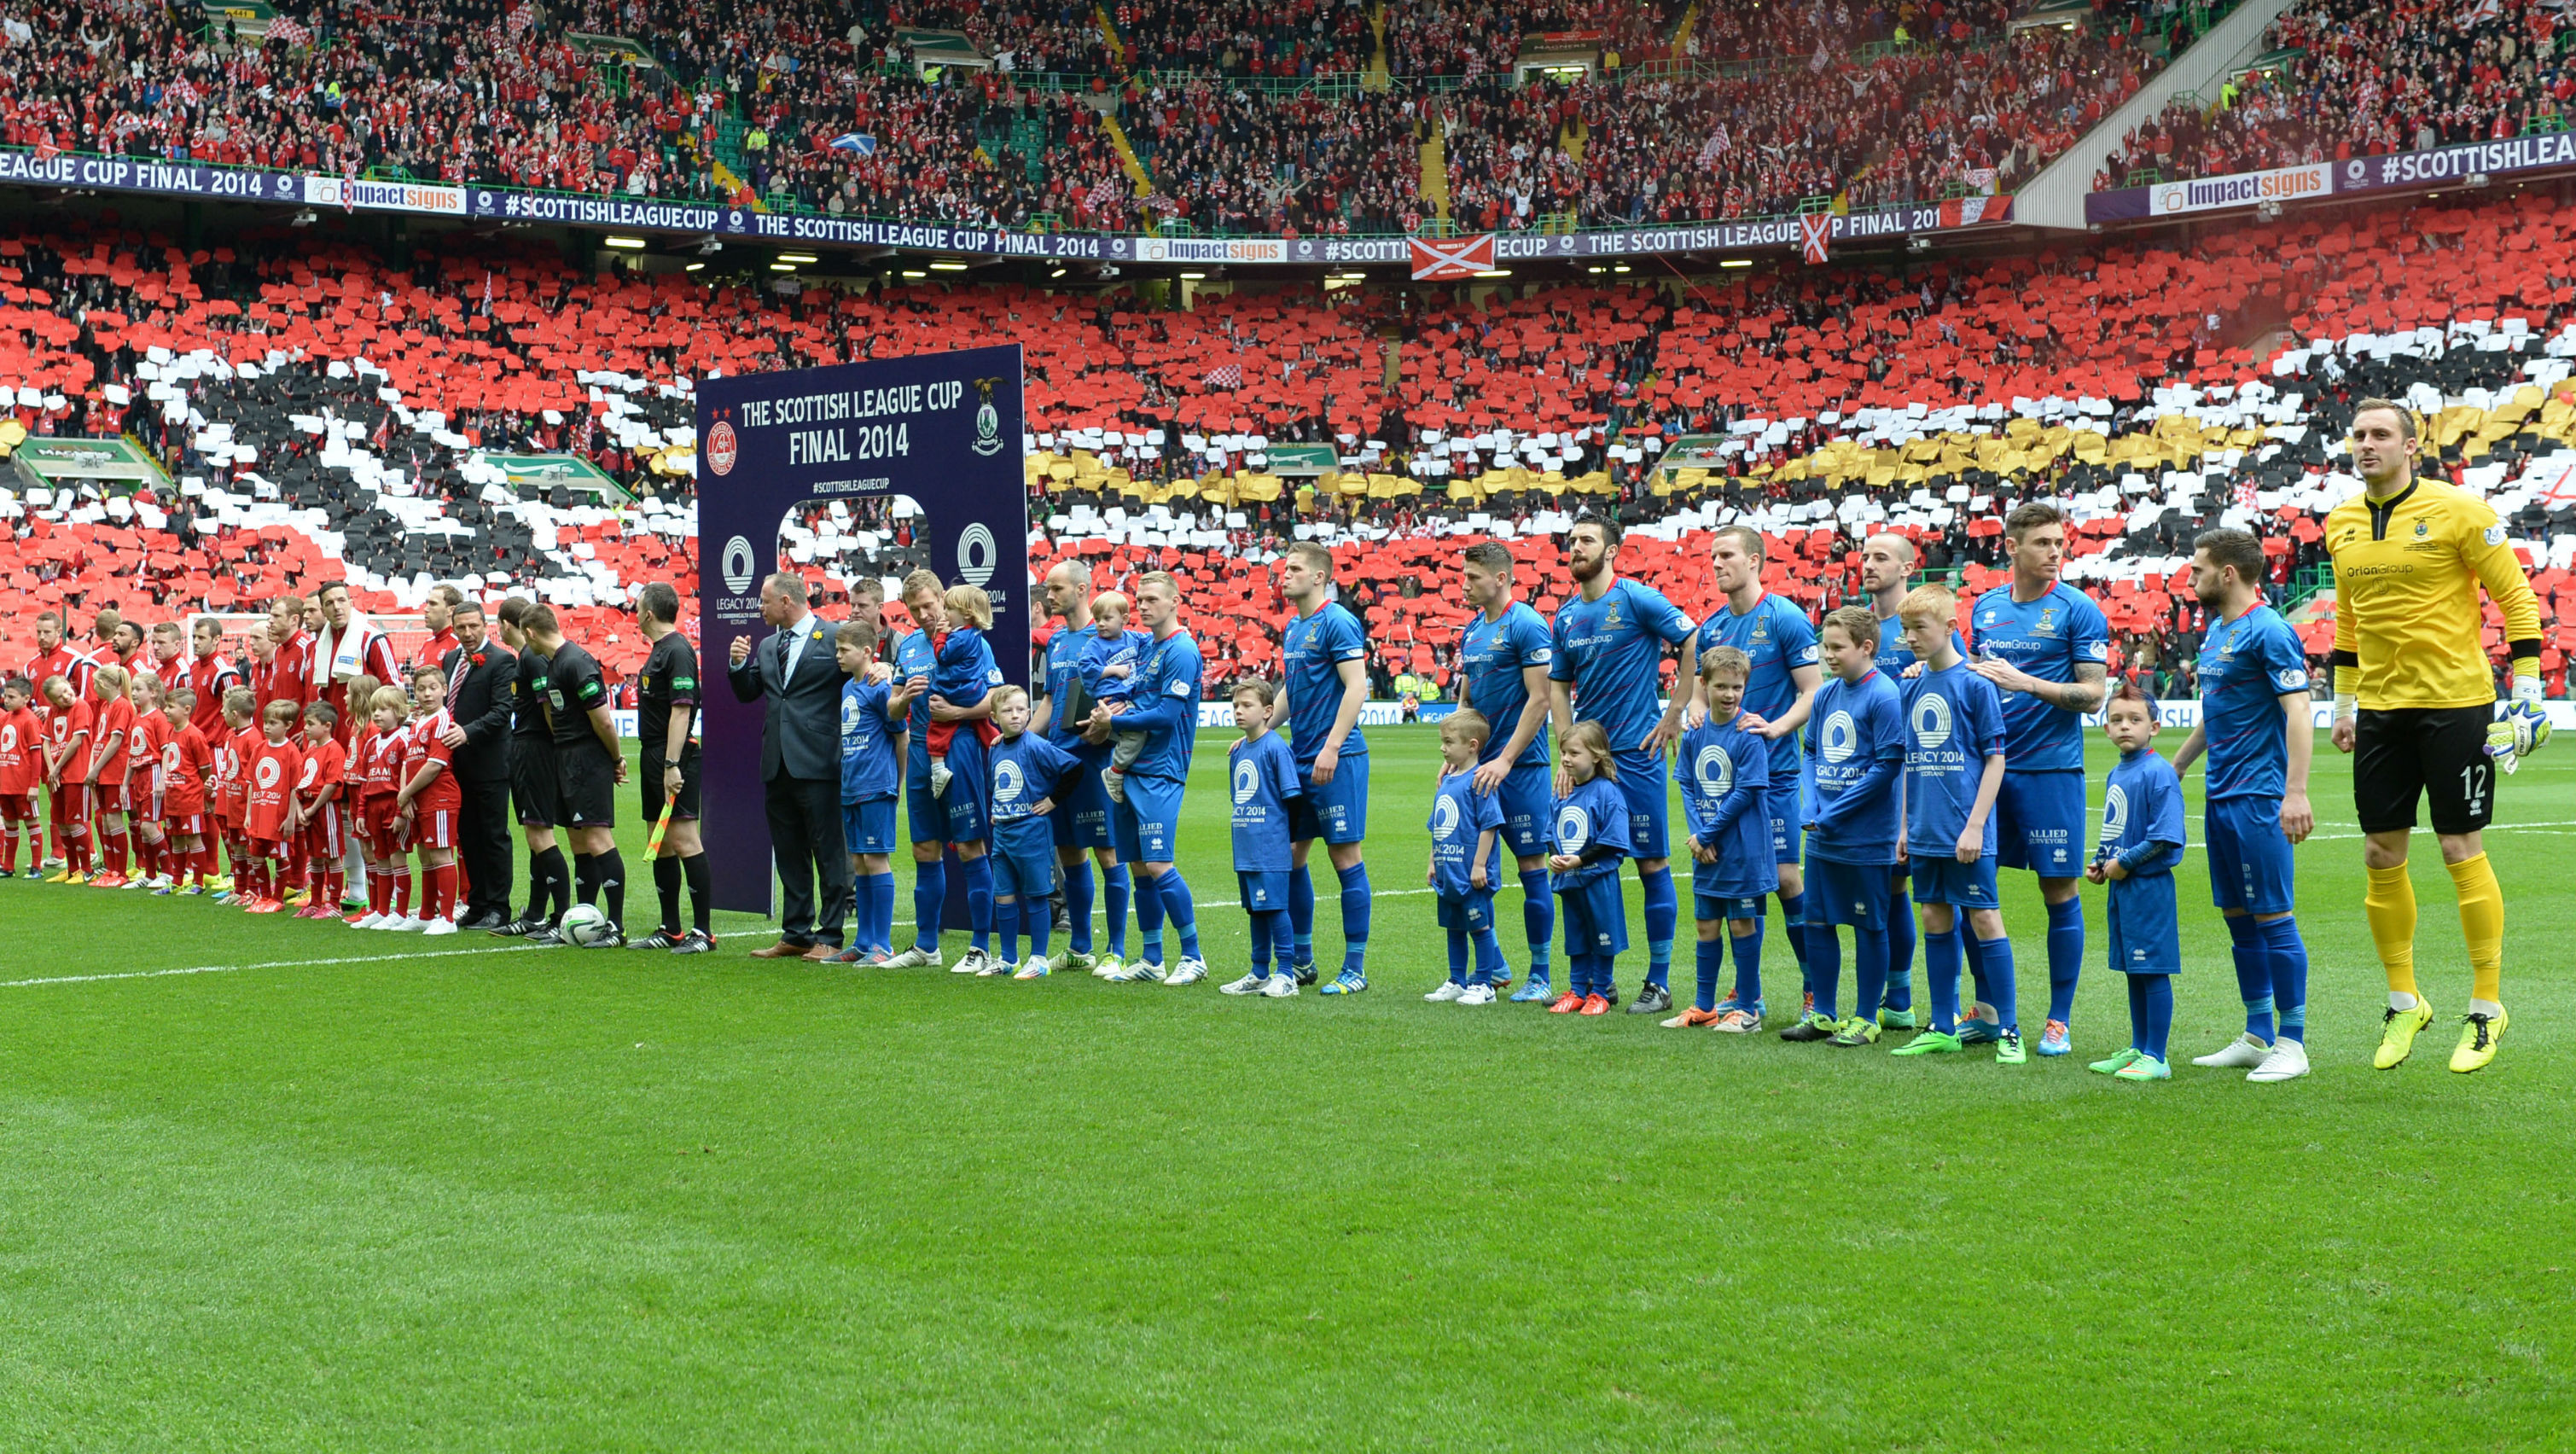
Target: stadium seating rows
column 328, row 408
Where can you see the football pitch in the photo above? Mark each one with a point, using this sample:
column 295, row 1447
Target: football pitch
column 277, row 1185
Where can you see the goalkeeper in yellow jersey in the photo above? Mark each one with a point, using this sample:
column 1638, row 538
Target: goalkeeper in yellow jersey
column 2415, row 699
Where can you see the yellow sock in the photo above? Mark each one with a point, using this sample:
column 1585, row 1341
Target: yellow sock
column 2389, row 905
column 2482, row 925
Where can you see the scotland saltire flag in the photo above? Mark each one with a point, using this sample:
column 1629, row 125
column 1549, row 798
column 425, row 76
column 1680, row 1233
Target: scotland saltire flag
column 857, row 141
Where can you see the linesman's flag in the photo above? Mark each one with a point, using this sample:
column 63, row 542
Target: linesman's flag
column 1815, row 235
column 1439, row 260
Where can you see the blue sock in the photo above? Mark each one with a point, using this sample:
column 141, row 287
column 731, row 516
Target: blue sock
column 1174, row 893
column 1355, row 918
column 1825, row 967
column 1538, row 917
column 2253, row 973
column 1489, row 956
column 1261, row 938
column 1663, row 916
column 1941, row 974
column 2150, row 1013
column 2288, row 954
column 1711, row 965
column 1458, row 956
column 2065, row 957
column 1301, row 912
column 1973, row 951
column 1117, row 887
column 1869, row 972
column 1149, row 918
column 1006, row 929
column 1900, row 947
column 1039, row 924
column 1998, row 991
column 979, row 899
column 1793, row 922
column 879, row 907
column 929, row 898
column 1077, row 902
column 1748, row 965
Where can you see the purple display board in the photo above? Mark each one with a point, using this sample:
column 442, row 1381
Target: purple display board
column 944, row 429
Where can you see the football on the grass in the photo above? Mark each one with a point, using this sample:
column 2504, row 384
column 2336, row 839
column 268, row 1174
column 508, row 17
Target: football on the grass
column 585, row 925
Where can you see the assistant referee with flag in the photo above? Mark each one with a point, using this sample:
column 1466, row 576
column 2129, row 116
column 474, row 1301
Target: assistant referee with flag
column 2415, row 701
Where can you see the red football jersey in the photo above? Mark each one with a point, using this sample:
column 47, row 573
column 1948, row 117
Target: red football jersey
column 143, row 744
column 325, row 765
column 185, row 762
column 67, row 723
column 115, row 720
column 384, row 761
column 20, row 766
column 244, row 745
column 208, row 677
column 274, row 767
column 426, row 746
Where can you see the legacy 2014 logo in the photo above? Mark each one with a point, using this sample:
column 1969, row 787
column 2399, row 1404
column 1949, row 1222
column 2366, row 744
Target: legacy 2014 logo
column 977, row 554
column 738, row 565
column 722, row 448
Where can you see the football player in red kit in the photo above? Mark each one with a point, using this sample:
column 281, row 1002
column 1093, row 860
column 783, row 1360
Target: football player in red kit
column 22, row 766
column 143, row 785
column 67, row 736
column 429, row 799
column 187, row 766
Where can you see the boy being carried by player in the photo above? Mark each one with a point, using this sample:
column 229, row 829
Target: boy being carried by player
column 1114, row 685
column 21, row 768
column 1856, row 738
column 1588, row 838
column 271, row 770
column 1466, row 861
column 318, row 814
column 962, row 675
column 872, row 731
column 2142, row 838
column 1023, row 768
column 1954, row 770
column 1726, row 790
column 1261, row 774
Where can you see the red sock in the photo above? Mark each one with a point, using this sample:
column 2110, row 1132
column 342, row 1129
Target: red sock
column 379, row 888
column 9, row 849
column 442, row 891
column 333, row 890
column 402, row 890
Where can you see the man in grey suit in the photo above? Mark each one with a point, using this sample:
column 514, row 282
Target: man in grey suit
column 800, row 762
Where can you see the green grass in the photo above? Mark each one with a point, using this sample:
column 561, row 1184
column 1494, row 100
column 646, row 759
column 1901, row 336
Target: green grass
column 501, row 1199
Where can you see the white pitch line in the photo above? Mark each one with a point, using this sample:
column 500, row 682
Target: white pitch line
column 13, row 984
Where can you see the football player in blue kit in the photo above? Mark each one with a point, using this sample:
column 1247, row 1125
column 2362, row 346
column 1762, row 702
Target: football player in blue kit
column 2258, row 729
column 933, row 819
column 1608, row 668
column 1503, row 656
column 2046, row 646
column 1854, row 829
column 1886, row 569
column 1776, row 636
column 1074, row 655
column 1726, row 787
column 1146, row 826
column 1323, row 656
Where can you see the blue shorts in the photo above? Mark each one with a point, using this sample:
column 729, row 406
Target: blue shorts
column 1262, row 892
column 1527, row 797
column 1473, row 912
column 1337, row 811
column 1788, row 838
column 2039, row 823
column 1147, row 827
column 1946, row 880
column 868, row 827
column 1644, row 782
column 967, row 790
column 1081, row 816
column 1847, row 893
column 925, row 818
column 1708, row 908
column 1023, row 875
column 1594, row 914
column 2144, row 936
column 2251, row 865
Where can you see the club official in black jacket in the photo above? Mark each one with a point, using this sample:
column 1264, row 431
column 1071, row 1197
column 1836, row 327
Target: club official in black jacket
column 793, row 672
column 480, row 675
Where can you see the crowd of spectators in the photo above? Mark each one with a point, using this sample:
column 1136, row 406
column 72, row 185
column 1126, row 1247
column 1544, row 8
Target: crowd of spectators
column 2368, row 80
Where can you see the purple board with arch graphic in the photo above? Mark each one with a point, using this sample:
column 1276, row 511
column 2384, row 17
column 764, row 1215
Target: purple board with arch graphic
column 943, row 429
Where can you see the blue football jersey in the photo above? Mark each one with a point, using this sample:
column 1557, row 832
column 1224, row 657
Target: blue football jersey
column 1311, row 651
column 1459, row 816
column 1856, row 727
column 1726, row 799
column 1492, row 655
column 2142, row 803
column 1954, row 721
column 1066, row 652
column 1263, row 777
column 915, row 656
column 1612, row 651
column 2246, row 666
column 1594, row 815
column 868, row 768
column 1167, row 706
column 1780, row 639
column 2048, row 637
column 1894, row 656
